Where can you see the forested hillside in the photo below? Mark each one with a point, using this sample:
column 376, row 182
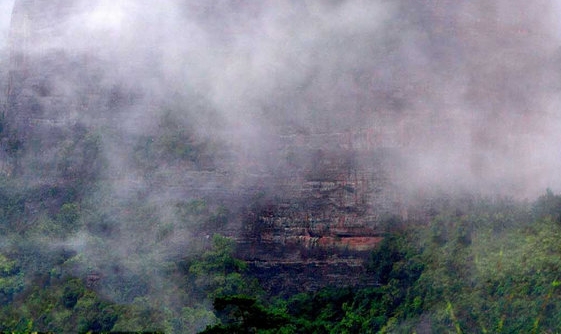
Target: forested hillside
column 341, row 166
column 474, row 265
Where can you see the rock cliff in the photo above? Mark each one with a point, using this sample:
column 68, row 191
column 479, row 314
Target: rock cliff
column 307, row 200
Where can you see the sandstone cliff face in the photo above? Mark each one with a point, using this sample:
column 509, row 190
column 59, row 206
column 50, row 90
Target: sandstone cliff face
column 318, row 223
column 306, row 201
column 311, row 122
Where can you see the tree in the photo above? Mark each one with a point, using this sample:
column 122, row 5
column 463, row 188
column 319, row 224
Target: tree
column 217, row 271
column 244, row 314
column 11, row 279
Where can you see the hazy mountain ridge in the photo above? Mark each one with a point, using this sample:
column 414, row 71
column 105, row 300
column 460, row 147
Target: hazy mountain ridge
column 304, row 131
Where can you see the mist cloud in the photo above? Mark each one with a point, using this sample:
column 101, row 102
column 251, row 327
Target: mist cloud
column 453, row 95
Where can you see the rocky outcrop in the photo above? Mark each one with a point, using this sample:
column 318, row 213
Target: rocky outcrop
column 307, row 208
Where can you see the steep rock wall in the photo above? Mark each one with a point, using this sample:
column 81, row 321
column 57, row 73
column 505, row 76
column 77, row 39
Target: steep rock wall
column 306, row 208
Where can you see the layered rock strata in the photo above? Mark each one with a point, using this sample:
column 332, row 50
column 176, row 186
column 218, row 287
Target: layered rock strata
column 306, row 209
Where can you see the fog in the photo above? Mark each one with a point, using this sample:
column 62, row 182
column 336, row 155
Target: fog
column 464, row 94
column 5, row 13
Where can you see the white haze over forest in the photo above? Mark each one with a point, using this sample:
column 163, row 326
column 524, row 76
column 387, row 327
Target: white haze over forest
column 5, row 12
column 475, row 90
column 470, row 92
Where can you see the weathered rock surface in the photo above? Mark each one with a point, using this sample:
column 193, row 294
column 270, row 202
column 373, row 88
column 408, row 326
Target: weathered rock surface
column 308, row 208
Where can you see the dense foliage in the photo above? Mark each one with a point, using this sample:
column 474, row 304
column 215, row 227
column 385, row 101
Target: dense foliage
column 466, row 265
column 482, row 266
